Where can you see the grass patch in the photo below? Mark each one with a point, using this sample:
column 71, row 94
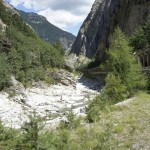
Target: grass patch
column 119, row 127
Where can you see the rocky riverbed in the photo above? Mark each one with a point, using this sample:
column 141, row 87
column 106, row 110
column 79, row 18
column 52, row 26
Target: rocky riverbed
column 50, row 102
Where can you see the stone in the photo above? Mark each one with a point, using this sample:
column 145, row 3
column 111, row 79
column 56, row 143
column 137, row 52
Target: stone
column 54, row 101
column 64, row 77
column 97, row 30
column 65, row 82
column 2, row 27
column 69, row 66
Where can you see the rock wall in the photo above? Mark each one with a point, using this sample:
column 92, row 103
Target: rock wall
column 97, row 30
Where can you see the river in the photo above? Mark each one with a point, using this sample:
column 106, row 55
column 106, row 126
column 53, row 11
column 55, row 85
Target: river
column 50, row 102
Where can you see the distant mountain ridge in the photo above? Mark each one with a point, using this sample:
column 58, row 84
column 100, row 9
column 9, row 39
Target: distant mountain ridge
column 46, row 30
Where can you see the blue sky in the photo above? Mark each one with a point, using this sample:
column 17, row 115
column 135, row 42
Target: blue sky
column 21, row 7
column 65, row 14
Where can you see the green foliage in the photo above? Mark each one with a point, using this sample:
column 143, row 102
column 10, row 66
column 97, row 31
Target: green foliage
column 123, row 80
column 4, row 71
column 121, row 62
column 80, row 138
column 138, row 39
column 55, row 140
column 58, row 45
column 8, row 138
column 129, row 123
column 146, row 29
column 30, row 133
column 95, row 108
column 72, row 121
column 114, row 90
column 30, row 138
column 25, row 139
column 141, row 38
column 81, row 67
column 28, row 56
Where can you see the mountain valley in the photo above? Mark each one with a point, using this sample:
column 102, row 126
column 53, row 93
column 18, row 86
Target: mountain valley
column 89, row 93
column 48, row 31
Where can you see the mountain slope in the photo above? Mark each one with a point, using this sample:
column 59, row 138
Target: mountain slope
column 22, row 52
column 46, row 30
column 97, row 30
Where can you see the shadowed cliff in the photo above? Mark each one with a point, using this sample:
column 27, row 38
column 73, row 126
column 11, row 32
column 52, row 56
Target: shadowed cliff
column 95, row 34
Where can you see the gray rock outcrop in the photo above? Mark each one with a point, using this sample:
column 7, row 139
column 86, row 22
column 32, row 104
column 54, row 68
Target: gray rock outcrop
column 96, row 32
column 9, row 7
column 2, row 27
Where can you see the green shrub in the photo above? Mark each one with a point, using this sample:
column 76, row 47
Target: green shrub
column 28, row 56
column 8, row 138
column 114, row 90
column 4, row 72
column 95, row 108
column 72, row 121
column 30, row 133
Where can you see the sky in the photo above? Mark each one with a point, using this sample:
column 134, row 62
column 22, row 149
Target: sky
column 65, row 14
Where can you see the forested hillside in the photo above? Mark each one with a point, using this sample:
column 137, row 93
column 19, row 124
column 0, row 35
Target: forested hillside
column 22, row 53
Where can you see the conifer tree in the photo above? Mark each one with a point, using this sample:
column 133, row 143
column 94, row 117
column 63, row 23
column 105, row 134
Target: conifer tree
column 31, row 131
column 138, row 39
column 122, row 63
column 146, row 29
column 4, row 71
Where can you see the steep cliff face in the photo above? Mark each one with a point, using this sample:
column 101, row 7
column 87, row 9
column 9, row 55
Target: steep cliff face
column 95, row 34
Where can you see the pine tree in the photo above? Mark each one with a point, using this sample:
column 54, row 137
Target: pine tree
column 4, row 71
column 141, row 38
column 138, row 39
column 122, row 63
column 146, row 29
column 31, row 131
column 59, row 46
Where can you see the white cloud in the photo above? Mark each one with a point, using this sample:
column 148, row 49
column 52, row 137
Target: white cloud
column 62, row 13
column 62, row 18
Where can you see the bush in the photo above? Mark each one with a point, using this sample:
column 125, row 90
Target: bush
column 72, row 121
column 8, row 138
column 4, row 71
column 95, row 108
column 30, row 133
column 114, row 90
column 141, row 38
